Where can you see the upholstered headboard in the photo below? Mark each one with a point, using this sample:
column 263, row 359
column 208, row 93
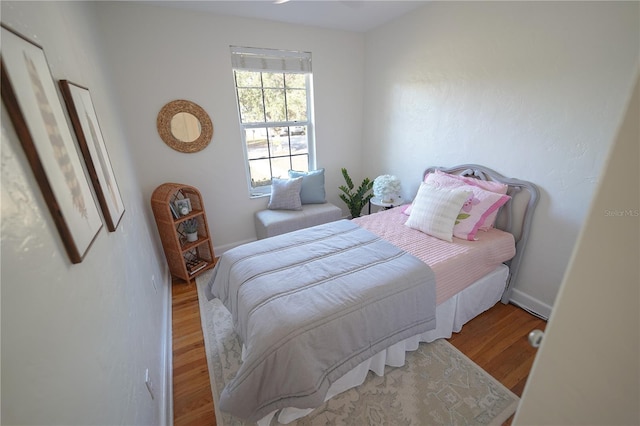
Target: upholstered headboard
column 515, row 216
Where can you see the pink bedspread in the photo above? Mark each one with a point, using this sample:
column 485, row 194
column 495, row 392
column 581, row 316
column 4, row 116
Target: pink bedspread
column 456, row 265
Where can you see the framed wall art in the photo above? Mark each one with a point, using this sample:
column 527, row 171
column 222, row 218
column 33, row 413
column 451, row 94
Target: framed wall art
column 183, row 206
column 30, row 95
column 85, row 123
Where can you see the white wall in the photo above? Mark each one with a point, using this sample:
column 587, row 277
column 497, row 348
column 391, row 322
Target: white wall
column 160, row 54
column 534, row 90
column 76, row 339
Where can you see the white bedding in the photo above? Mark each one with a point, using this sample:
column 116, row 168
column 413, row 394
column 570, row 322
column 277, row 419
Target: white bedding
column 451, row 315
column 470, row 278
column 311, row 305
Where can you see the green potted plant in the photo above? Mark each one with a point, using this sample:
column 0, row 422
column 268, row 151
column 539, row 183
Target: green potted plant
column 190, row 227
column 357, row 199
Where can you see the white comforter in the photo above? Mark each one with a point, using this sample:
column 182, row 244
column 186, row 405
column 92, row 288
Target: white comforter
column 310, row 306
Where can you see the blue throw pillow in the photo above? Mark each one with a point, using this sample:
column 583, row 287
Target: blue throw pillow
column 312, row 191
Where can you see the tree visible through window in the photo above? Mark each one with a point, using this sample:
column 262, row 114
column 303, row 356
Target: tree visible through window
column 275, row 120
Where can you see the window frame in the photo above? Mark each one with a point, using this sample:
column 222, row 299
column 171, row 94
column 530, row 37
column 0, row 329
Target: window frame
column 265, row 190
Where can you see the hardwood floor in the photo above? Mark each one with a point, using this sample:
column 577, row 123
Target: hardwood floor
column 495, row 340
column 192, row 398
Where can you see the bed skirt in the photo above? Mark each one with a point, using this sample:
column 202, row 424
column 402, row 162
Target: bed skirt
column 451, row 315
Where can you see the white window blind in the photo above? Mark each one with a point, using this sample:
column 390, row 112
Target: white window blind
column 255, row 59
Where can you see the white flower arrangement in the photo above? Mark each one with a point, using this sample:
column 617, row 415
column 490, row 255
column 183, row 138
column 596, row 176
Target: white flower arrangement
column 387, row 188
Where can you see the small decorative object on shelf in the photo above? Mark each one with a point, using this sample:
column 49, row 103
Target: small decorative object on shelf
column 174, row 210
column 183, row 206
column 191, row 229
column 194, row 265
column 185, row 236
column 387, row 188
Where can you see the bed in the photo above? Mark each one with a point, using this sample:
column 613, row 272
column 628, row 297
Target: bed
column 316, row 309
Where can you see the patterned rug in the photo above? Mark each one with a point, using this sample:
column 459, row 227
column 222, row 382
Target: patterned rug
column 438, row 385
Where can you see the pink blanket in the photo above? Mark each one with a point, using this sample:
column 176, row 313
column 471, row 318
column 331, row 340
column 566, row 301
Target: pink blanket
column 456, row 265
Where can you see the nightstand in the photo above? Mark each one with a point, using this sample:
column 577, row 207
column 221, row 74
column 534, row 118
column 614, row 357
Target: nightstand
column 376, row 201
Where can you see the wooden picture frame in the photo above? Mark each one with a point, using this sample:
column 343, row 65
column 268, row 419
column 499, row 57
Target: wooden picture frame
column 30, row 95
column 85, row 123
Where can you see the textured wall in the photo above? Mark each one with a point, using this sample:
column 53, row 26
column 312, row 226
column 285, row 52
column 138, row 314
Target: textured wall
column 534, row 90
column 76, row 339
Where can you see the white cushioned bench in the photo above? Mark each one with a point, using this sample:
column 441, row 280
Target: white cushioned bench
column 276, row 222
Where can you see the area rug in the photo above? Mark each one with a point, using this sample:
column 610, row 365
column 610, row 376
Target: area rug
column 438, row 385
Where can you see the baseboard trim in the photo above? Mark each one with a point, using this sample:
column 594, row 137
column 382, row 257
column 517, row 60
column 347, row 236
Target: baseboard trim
column 530, row 304
column 166, row 411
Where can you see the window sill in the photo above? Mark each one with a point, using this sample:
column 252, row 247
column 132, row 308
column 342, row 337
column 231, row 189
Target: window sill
column 255, row 195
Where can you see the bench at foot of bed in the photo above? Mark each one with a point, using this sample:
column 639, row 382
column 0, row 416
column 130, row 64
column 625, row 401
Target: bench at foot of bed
column 276, row 222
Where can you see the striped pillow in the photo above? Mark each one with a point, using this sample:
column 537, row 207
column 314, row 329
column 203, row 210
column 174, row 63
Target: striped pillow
column 435, row 210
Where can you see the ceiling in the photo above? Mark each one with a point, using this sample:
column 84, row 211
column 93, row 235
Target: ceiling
column 358, row 15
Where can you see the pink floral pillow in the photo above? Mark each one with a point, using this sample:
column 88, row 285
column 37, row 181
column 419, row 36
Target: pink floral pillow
column 476, row 211
column 455, row 181
column 497, row 187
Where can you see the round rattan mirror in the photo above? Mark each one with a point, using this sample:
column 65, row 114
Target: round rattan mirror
column 184, row 126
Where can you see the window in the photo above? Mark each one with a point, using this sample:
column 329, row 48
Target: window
column 273, row 90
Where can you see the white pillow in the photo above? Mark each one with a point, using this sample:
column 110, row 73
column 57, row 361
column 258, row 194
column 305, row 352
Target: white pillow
column 285, row 194
column 435, row 210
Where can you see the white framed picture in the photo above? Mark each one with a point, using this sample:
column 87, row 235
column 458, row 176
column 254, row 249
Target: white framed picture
column 85, row 123
column 183, row 206
column 30, row 95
